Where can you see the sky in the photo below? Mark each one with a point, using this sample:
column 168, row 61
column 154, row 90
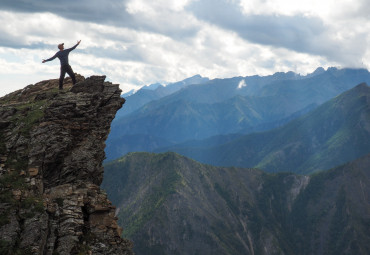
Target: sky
column 140, row 42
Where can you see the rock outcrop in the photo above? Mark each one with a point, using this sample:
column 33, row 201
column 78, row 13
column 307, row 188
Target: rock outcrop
column 51, row 153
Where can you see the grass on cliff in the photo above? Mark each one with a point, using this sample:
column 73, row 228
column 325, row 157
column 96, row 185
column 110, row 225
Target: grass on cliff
column 28, row 115
column 6, row 248
column 31, row 205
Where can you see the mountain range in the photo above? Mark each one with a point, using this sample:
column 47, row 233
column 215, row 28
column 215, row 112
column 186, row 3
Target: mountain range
column 334, row 133
column 277, row 164
column 154, row 92
column 170, row 204
column 52, row 150
column 239, row 105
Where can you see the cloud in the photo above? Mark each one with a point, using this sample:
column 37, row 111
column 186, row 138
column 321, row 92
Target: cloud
column 83, row 10
column 281, row 31
column 298, row 31
column 139, row 42
column 134, row 58
column 328, row 10
column 242, row 84
column 32, row 30
column 141, row 15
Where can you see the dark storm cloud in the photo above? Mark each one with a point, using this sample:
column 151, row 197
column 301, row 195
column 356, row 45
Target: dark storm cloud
column 83, row 10
column 298, row 33
column 107, row 12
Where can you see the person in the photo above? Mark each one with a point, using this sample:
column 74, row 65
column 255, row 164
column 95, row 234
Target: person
column 62, row 54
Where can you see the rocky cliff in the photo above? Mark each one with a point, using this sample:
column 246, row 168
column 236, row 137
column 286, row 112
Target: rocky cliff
column 51, row 152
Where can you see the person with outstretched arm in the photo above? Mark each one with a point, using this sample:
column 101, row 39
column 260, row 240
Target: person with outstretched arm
column 62, row 54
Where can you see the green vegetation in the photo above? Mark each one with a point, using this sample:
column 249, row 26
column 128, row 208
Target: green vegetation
column 18, row 164
column 328, row 215
column 83, row 247
column 34, row 204
column 28, row 115
column 338, row 231
column 169, row 179
column 334, row 133
column 271, row 214
column 156, row 249
column 13, row 181
column 273, row 196
column 8, row 182
column 7, row 249
column 227, row 197
column 115, row 178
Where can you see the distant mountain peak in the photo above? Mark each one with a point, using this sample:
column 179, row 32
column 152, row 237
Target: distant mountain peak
column 195, row 76
column 153, row 86
column 362, row 85
column 196, row 79
column 318, row 71
column 128, row 93
column 360, row 89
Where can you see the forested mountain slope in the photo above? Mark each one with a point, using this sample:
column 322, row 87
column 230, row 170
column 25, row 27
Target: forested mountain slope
column 169, row 204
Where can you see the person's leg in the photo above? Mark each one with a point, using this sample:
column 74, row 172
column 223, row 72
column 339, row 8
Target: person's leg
column 71, row 74
column 61, row 78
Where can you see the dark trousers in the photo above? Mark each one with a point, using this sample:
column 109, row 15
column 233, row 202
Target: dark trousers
column 63, row 70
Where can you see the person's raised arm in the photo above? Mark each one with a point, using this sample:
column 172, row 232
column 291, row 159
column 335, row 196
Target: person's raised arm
column 74, row 47
column 49, row 59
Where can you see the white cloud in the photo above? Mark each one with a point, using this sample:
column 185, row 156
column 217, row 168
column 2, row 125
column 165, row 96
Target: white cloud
column 312, row 30
column 288, row 7
column 242, row 84
column 136, row 6
column 327, row 10
column 139, row 42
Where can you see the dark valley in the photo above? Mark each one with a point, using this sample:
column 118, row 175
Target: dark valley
column 170, row 204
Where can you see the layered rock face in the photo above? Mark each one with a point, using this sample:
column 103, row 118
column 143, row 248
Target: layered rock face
column 51, row 153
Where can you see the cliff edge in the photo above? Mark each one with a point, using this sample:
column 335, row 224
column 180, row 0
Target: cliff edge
column 51, row 153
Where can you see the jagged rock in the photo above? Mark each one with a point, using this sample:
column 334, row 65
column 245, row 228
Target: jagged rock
column 51, row 153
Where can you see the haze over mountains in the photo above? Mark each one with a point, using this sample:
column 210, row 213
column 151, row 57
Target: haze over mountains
column 237, row 106
column 334, row 133
column 257, row 135
column 154, row 92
